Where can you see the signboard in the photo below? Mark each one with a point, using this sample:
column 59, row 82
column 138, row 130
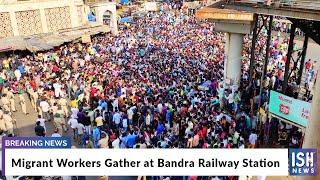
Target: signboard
column 294, row 110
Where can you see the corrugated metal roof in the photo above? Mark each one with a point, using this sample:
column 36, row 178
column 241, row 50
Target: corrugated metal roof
column 42, row 42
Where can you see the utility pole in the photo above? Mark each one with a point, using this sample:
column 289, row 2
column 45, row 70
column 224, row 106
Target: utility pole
column 289, row 55
column 303, row 57
column 253, row 45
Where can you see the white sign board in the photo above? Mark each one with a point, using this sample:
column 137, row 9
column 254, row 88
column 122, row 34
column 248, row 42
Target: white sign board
column 150, row 6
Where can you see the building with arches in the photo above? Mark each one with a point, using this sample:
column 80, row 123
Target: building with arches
column 105, row 13
column 31, row 17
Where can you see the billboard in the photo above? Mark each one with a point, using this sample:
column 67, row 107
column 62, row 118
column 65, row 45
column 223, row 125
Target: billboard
column 294, row 110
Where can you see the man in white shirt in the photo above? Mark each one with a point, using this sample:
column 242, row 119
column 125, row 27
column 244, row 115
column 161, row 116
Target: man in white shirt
column 125, row 124
column 80, row 130
column 57, row 89
column 116, row 118
column 273, row 81
column 115, row 104
column 116, row 143
column 159, row 107
column 45, row 109
column 74, row 112
column 252, row 139
column 230, row 101
column 73, row 123
column 130, row 113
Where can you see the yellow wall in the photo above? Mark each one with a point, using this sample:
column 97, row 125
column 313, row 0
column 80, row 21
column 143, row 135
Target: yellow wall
column 39, row 16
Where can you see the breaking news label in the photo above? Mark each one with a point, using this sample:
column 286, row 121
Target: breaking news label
column 36, row 156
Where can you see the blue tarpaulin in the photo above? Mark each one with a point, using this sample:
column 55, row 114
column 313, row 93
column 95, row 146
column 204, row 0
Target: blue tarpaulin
column 91, row 17
column 126, row 19
column 205, row 86
column 123, row 2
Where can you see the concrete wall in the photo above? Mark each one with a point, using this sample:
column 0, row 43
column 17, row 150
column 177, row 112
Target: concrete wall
column 39, row 16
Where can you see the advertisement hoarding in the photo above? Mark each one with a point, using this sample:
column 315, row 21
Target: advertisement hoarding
column 294, row 110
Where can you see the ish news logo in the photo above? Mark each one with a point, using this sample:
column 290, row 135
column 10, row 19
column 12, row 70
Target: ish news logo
column 303, row 162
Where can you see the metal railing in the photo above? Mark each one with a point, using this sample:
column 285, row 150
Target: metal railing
column 299, row 4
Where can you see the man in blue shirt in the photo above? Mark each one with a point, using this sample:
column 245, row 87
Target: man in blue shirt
column 21, row 69
column 116, row 118
column 123, row 140
column 160, row 128
column 95, row 136
column 131, row 139
column 104, row 104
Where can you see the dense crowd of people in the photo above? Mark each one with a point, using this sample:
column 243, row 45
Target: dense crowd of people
column 157, row 84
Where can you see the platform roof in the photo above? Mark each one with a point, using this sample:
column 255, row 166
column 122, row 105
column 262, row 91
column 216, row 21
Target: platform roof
column 308, row 10
column 47, row 41
column 224, row 15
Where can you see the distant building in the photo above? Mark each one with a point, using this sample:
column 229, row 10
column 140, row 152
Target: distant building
column 29, row 17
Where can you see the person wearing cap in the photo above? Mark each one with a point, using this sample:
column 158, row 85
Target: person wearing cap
column 12, row 101
column 59, row 123
column 2, row 122
column 5, row 102
column 64, row 106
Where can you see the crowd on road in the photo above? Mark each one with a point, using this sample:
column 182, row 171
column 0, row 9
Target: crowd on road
column 157, row 84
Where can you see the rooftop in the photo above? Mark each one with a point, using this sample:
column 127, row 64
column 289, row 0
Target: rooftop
column 298, row 9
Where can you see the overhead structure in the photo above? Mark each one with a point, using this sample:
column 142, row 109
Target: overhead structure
column 43, row 42
column 235, row 24
column 304, row 15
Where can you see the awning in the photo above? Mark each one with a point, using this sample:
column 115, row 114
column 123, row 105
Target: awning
column 37, row 44
column 91, row 17
column 12, row 43
column 43, row 42
column 126, row 20
column 123, row 2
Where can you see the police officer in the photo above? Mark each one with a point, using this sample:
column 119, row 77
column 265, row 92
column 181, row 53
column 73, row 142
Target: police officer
column 23, row 103
column 5, row 102
column 64, row 106
column 12, row 101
